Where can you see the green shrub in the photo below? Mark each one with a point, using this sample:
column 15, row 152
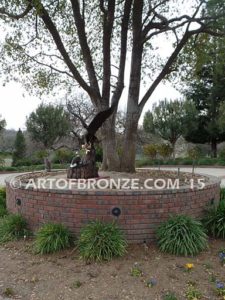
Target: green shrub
column 144, row 162
column 186, row 161
column 150, row 150
column 222, row 194
column 220, row 162
column 2, row 192
column 63, row 156
column 12, row 227
column 99, row 154
column 101, row 241
column 2, row 161
column 214, row 220
column 222, row 154
column 3, row 211
column 165, row 150
column 181, row 235
column 10, row 169
column 194, row 153
column 52, row 238
column 2, row 198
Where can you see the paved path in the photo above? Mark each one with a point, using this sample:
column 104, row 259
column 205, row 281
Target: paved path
column 4, row 176
column 219, row 172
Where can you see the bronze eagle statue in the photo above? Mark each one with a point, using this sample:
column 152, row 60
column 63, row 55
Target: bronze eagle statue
column 96, row 123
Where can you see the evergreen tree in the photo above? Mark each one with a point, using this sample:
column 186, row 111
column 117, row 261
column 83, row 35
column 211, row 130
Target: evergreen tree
column 2, row 124
column 47, row 125
column 19, row 147
column 206, row 90
column 169, row 120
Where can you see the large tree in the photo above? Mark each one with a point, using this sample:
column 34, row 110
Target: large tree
column 47, row 125
column 207, row 93
column 170, row 120
column 56, row 44
column 2, row 124
column 205, row 88
column 19, row 152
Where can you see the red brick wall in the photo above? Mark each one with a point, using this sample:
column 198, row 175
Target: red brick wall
column 141, row 212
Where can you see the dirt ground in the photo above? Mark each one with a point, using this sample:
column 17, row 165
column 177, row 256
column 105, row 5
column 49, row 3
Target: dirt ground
column 26, row 276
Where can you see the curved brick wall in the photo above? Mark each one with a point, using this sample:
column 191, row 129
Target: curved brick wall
column 141, row 211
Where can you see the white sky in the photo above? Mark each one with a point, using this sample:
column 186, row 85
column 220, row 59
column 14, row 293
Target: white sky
column 16, row 103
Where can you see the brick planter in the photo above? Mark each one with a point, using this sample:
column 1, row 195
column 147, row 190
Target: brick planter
column 141, row 211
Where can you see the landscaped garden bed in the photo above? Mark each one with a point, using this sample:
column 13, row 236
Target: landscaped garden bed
column 65, row 276
column 98, row 264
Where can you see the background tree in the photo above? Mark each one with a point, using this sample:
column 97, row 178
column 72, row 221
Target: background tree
column 63, row 155
column 7, row 139
column 206, row 90
column 2, row 124
column 150, row 151
column 169, row 120
column 165, row 150
column 48, row 124
column 19, row 152
column 194, row 153
column 57, row 45
column 81, row 113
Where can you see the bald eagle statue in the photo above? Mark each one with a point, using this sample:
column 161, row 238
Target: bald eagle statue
column 96, row 123
column 86, row 168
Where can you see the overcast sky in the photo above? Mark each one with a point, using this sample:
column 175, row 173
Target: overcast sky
column 16, row 103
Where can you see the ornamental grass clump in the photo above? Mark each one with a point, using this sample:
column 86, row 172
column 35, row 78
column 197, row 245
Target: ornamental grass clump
column 181, row 235
column 51, row 238
column 12, row 227
column 3, row 210
column 100, row 241
column 214, row 220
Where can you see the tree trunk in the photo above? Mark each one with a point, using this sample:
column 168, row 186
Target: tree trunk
column 214, row 148
column 173, row 144
column 48, row 165
column 111, row 160
column 129, row 146
column 133, row 110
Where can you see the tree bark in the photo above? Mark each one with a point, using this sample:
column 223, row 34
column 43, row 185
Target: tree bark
column 129, row 146
column 173, row 144
column 48, row 164
column 214, row 149
column 133, row 111
column 111, row 160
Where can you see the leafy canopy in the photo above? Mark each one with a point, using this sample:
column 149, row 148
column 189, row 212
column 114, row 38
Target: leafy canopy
column 48, row 124
column 19, row 147
column 169, row 119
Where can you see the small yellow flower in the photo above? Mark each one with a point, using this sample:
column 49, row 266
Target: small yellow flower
column 189, row 266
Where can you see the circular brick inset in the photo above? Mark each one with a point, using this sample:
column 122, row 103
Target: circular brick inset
column 141, row 210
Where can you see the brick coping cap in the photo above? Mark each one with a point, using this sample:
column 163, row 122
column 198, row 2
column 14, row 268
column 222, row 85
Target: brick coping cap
column 213, row 181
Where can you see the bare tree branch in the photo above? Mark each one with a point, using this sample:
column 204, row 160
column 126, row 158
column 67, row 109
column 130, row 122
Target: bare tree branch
column 47, row 65
column 123, row 51
column 60, row 46
column 166, row 70
column 16, row 17
column 86, row 52
column 107, row 36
